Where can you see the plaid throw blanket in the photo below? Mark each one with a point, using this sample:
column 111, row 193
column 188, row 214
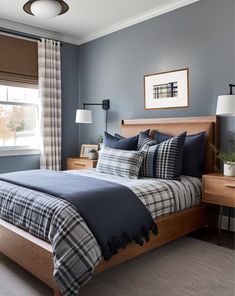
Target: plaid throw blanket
column 75, row 250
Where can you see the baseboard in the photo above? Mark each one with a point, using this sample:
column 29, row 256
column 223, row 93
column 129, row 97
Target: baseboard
column 224, row 225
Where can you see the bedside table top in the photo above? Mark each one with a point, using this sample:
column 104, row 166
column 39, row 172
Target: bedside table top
column 218, row 176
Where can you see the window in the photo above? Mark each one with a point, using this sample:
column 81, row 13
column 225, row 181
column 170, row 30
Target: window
column 19, row 118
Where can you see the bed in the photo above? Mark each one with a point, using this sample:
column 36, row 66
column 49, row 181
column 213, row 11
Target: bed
column 35, row 255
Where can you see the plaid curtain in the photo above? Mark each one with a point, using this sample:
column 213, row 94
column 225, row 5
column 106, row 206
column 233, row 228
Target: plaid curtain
column 49, row 73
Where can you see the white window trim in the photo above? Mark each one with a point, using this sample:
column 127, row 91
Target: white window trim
column 18, row 150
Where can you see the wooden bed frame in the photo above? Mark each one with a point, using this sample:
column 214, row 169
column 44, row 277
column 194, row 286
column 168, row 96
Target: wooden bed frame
column 35, row 255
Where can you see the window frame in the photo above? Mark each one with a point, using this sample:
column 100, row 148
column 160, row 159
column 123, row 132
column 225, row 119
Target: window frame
column 21, row 150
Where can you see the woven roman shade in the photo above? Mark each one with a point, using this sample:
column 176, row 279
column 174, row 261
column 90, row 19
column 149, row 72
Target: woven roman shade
column 18, row 61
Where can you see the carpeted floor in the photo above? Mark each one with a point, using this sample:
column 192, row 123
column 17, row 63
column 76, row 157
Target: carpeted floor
column 185, row 267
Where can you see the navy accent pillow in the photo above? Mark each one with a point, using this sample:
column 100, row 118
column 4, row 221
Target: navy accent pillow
column 193, row 152
column 119, row 137
column 123, row 144
column 163, row 160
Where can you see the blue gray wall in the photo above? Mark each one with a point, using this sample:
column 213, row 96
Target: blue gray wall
column 69, row 76
column 234, row 38
column 18, row 163
column 199, row 36
column 227, row 131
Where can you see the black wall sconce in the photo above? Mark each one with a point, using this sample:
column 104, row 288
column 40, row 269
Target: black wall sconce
column 85, row 116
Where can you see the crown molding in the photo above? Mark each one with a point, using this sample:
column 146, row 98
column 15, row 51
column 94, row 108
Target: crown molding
column 137, row 19
column 175, row 4
column 31, row 30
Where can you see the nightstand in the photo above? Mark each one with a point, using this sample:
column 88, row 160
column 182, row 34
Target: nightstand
column 78, row 163
column 220, row 190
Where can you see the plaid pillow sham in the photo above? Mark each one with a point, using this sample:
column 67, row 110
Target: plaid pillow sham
column 164, row 160
column 145, row 141
column 193, row 152
column 121, row 163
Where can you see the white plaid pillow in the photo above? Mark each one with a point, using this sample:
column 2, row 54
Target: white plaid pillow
column 121, row 163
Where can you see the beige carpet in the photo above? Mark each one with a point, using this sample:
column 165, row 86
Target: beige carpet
column 185, row 267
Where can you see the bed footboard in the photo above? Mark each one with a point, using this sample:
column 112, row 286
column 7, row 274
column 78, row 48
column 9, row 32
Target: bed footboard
column 31, row 253
column 35, row 255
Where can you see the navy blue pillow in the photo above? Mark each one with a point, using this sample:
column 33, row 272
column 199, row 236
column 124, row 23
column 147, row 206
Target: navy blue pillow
column 193, row 152
column 123, row 144
column 119, row 137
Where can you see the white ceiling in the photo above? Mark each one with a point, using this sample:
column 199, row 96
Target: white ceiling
column 86, row 19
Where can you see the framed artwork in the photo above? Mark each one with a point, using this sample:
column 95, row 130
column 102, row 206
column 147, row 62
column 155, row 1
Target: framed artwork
column 166, row 90
column 85, row 149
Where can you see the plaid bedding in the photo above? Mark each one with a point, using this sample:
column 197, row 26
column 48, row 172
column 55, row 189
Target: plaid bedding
column 76, row 252
column 121, row 163
column 160, row 196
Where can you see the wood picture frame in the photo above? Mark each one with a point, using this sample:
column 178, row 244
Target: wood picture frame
column 85, row 148
column 166, row 90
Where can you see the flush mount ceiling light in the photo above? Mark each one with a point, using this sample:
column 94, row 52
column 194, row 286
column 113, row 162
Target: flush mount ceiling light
column 46, row 8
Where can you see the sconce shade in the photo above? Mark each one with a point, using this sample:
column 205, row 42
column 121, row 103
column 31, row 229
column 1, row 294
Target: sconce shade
column 83, row 116
column 226, row 105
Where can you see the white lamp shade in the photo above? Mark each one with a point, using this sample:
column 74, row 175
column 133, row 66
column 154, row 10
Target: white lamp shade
column 83, row 116
column 46, row 8
column 226, row 105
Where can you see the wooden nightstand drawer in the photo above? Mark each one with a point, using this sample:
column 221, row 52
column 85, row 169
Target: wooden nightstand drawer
column 73, row 165
column 77, row 163
column 219, row 190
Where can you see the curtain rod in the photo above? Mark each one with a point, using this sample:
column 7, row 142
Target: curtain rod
column 23, row 36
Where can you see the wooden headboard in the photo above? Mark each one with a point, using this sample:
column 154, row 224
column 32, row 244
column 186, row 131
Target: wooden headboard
column 174, row 126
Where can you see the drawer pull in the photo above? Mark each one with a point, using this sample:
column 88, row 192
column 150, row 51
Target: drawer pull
column 230, row 185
